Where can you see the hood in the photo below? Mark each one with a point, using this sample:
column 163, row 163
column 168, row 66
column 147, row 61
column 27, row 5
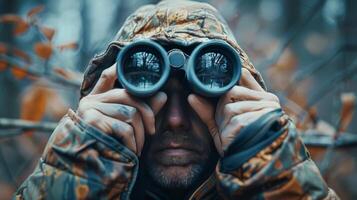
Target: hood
column 183, row 23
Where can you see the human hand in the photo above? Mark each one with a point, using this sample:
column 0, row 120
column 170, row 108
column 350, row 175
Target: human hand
column 236, row 109
column 118, row 114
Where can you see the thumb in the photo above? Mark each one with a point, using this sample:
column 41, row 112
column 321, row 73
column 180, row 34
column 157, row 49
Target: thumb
column 205, row 110
column 157, row 102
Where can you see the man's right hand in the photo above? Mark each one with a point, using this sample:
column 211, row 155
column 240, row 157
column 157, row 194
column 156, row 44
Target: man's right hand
column 117, row 113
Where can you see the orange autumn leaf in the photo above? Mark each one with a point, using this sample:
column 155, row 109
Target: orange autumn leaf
column 48, row 32
column 18, row 72
column 68, row 74
column 34, row 102
column 10, row 18
column 63, row 72
column 23, row 55
column 34, row 11
column 71, row 45
column 43, row 50
column 3, row 65
column 21, row 26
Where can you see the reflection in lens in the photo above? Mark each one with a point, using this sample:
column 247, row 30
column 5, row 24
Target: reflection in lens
column 142, row 69
column 214, row 70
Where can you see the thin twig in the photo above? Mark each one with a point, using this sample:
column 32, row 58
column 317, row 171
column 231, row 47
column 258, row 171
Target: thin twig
column 51, row 76
column 26, row 124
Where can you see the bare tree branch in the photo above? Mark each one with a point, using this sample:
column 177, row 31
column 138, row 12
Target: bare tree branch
column 6, row 123
column 52, row 76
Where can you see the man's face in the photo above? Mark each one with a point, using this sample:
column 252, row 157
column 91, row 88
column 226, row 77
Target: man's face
column 181, row 153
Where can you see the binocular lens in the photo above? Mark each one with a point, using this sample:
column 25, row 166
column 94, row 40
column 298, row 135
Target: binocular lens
column 142, row 69
column 214, row 70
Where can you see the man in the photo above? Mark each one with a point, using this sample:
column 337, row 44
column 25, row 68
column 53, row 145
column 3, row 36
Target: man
column 176, row 144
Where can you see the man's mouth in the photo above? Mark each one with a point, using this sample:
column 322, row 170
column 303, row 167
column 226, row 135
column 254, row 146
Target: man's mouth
column 177, row 155
column 176, row 152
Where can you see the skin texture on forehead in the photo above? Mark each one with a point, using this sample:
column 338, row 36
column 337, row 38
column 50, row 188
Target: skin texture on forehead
column 183, row 23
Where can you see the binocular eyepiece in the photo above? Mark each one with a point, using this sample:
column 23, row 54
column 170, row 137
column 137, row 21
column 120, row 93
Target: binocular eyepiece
column 144, row 66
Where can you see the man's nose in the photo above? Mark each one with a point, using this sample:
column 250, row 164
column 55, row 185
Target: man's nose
column 177, row 116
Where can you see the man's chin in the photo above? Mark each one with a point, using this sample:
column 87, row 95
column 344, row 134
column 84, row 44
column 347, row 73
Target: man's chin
column 176, row 176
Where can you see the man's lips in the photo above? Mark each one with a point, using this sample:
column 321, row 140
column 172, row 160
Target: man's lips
column 175, row 154
column 173, row 147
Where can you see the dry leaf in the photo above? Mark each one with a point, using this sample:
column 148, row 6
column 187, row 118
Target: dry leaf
column 18, row 72
column 3, row 48
column 23, row 55
column 34, row 101
column 10, row 18
column 348, row 105
column 21, row 26
column 3, row 65
column 48, row 32
column 43, row 50
column 71, row 45
column 63, row 72
column 68, row 74
column 35, row 10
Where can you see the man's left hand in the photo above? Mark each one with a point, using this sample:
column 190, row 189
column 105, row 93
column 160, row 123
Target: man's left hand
column 236, row 109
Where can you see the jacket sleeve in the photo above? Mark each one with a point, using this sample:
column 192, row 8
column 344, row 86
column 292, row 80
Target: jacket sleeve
column 282, row 169
column 80, row 162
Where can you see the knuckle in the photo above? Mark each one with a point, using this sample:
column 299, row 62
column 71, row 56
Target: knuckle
column 85, row 104
column 228, row 110
column 131, row 113
column 245, row 72
column 91, row 117
column 85, row 99
column 276, row 104
column 236, row 121
column 106, row 75
column 127, row 130
column 274, row 97
column 128, row 110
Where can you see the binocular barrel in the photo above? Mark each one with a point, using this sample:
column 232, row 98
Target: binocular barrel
column 213, row 67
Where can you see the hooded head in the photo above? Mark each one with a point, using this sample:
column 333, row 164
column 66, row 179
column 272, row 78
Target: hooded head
column 182, row 23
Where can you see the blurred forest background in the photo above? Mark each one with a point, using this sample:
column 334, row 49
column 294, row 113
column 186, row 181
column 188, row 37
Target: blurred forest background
column 305, row 49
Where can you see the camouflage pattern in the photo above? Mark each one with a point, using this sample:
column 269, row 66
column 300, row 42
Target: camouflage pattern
column 81, row 162
column 185, row 23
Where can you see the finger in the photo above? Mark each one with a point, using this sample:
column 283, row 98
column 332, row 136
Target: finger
column 124, row 132
column 237, row 123
column 240, row 93
column 113, row 127
column 157, row 102
column 106, row 80
column 247, row 80
column 120, row 96
column 126, row 114
column 240, row 107
column 205, row 111
column 118, row 111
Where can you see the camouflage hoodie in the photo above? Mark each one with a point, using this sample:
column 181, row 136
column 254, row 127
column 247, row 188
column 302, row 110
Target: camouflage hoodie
column 81, row 162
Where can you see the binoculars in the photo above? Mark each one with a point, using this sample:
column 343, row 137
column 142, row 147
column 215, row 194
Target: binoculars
column 144, row 66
